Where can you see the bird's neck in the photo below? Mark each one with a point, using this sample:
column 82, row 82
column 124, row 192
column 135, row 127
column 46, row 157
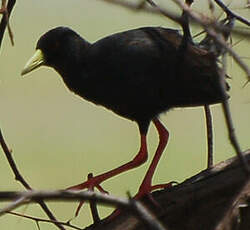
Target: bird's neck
column 73, row 77
column 73, row 68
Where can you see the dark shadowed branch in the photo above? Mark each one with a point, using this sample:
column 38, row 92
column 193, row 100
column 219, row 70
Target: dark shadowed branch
column 209, row 125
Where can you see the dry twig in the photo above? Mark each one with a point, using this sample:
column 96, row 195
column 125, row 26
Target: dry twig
column 124, row 203
column 37, row 220
column 209, row 126
column 20, row 178
column 232, row 14
column 6, row 11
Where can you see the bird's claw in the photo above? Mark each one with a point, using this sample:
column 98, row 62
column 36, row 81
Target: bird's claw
column 90, row 184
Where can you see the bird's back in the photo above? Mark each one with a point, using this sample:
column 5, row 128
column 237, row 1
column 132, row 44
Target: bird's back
column 143, row 72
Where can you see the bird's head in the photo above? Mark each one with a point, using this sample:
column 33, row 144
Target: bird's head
column 53, row 49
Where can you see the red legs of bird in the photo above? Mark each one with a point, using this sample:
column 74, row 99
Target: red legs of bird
column 139, row 159
column 93, row 182
column 146, row 186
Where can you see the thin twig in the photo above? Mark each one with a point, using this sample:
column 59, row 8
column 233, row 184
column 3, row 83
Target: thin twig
column 166, row 13
column 21, row 179
column 229, row 121
column 232, row 136
column 235, row 56
column 159, row 10
column 211, row 31
column 36, row 219
column 132, row 6
column 5, row 21
column 232, row 14
column 12, row 163
column 209, row 126
column 5, row 13
column 71, row 195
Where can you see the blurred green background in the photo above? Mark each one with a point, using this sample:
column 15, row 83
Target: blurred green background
column 57, row 138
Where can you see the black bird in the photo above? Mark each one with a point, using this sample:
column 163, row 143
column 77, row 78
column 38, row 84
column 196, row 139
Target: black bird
column 137, row 74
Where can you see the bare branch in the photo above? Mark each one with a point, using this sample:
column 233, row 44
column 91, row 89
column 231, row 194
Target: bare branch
column 232, row 14
column 209, row 126
column 19, row 201
column 131, row 6
column 36, row 219
column 5, row 19
column 20, row 178
column 134, row 206
column 189, row 201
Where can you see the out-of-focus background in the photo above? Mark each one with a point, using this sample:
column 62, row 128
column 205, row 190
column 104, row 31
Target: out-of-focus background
column 57, row 138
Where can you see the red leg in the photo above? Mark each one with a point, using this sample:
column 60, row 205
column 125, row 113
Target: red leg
column 140, row 158
column 146, row 186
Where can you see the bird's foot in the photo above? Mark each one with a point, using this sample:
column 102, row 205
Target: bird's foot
column 144, row 190
column 90, row 184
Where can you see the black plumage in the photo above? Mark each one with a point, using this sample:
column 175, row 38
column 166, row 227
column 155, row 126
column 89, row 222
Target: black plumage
column 137, row 74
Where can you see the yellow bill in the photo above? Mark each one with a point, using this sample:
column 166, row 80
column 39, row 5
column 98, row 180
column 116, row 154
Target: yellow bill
column 34, row 62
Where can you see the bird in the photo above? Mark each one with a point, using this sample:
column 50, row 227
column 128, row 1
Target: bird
column 138, row 74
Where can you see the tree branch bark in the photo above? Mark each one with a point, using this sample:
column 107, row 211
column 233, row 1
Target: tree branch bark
column 198, row 203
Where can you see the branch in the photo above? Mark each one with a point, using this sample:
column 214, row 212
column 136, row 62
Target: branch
column 20, row 178
column 5, row 19
column 228, row 214
column 37, row 220
column 212, row 30
column 209, row 125
column 12, row 163
column 198, row 203
column 231, row 14
column 210, row 26
column 131, row 5
column 133, row 206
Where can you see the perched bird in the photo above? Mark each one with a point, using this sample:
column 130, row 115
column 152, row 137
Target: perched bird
column 137, row 74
